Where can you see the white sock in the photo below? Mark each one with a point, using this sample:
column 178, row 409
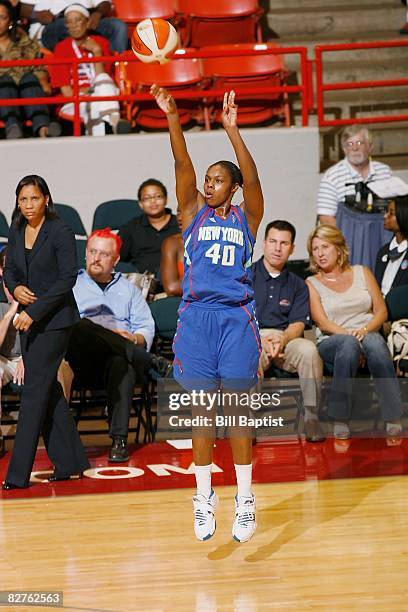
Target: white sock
column 244, row 479
column 203, row 479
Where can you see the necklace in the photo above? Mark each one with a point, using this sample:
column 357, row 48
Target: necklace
column 330, row 280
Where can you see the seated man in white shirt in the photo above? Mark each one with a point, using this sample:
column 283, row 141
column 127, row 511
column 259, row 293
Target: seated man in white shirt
column 363, row 231
column 110, row 345
column 47, row 22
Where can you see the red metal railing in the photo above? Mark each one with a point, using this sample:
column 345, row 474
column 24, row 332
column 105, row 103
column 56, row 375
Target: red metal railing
column 305, row 88
column 76, row 98
column 322, row 87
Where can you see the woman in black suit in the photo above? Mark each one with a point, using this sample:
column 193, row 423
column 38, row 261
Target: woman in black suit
column 40, row 273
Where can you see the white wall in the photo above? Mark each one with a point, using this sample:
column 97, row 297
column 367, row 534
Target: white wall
column 85, row 171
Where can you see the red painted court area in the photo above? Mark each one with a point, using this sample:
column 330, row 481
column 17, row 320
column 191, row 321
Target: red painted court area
column 161, row 466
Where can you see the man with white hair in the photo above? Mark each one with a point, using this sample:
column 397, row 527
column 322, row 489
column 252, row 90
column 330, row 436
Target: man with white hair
column 94, row 78
column 47, row 22
column 349, row 181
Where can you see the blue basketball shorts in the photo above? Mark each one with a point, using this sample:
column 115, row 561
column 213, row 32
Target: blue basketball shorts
column 216, row 346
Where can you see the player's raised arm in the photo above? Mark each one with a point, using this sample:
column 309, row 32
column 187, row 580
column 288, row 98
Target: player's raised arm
column 253, row 198
column 186, row 183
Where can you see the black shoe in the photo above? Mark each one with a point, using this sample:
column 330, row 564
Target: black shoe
column 7, row 486
column 54, row 129
column 14, row 131
column 119, row 451
column 123, row 127
column 162, row 367
column 2, row 447
column 313, row 431
column 56, row 478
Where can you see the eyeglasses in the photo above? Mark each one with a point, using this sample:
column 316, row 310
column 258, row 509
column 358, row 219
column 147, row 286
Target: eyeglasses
column 150, row 198
column 351, row 143
column 103, row 254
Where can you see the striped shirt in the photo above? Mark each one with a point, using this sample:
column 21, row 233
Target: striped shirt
column 333, row 188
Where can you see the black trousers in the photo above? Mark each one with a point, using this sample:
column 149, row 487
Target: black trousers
column 44, row 409
column 101, row 358
column 29, row 87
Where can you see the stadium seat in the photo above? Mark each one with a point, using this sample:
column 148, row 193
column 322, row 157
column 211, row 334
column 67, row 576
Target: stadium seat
column 71, row 216
column 218, row 22
column 4, row 230
column 178, row 76
column 115, row 213
column 249, row 72
column 133, row 11
column 165, row 315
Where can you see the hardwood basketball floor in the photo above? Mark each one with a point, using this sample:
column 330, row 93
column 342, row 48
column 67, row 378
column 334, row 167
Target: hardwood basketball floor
column 320, row 545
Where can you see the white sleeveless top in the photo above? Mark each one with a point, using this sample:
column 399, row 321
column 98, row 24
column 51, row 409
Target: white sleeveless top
column 351, row 309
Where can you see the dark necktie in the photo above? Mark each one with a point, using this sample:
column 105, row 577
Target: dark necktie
column 394, row 254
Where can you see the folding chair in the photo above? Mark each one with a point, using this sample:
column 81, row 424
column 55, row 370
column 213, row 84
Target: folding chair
column 218, row 22
column 249, row 72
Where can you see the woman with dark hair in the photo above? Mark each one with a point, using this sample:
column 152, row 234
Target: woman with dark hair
column 391, row 266
column 143, row 235
column 347, row 306
column 40, row 272
column 22, row 81
column 217, row 344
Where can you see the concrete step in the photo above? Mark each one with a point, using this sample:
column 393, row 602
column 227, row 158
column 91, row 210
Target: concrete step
column 357, row 55
column 350, row 72
column 332, row 19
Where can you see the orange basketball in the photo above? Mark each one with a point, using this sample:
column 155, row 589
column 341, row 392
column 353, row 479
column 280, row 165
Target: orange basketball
column 153, row 40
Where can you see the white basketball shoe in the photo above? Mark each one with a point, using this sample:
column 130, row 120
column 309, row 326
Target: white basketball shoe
column 244, row 525
column 204, row 515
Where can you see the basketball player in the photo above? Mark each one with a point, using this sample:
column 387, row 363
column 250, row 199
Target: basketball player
column 217, row 340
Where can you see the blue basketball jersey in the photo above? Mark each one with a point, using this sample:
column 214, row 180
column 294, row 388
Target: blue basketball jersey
column 217, row 258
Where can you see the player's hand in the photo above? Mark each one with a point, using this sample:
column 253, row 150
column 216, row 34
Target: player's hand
column 229, row 110
column 23, row 322
column 18, row 378
column 164, row 99
column 23, row 295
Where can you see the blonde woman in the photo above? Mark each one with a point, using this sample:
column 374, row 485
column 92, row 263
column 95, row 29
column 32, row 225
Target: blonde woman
column 348, row 309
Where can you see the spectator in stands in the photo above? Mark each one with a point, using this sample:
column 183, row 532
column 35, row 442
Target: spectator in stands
column 11, row 363
column 22, row 81
column 282, row 308
column 93, row 78
column 363, row 231
column 404, row 29
column 172, row 262
column 391, row 268
column 348, row 309
column 49, row 28
column 110, row 345
column 143, row 236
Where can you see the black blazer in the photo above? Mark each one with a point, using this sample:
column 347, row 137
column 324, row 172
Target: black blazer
column 401, row 278
column 51, row 273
